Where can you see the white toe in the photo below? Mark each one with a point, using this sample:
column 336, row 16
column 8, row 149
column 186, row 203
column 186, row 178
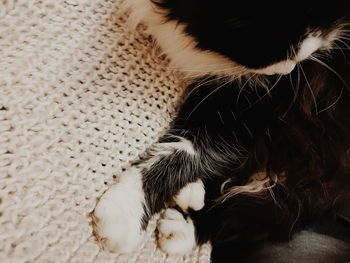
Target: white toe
column 176, row 234
column 191, row 196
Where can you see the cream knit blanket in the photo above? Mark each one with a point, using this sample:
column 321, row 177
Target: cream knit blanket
column 80, row 97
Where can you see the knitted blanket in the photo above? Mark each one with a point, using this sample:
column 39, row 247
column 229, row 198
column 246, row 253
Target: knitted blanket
column 80, row 97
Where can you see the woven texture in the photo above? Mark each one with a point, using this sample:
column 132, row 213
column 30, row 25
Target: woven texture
column 80, row 97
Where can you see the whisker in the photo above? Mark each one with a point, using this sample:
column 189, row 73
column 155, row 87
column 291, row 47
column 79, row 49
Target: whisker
column 309, row 86
column 295, row 90
column 320, row 55
column 211, row 93
column 335, row 46
column 339, row 76
column 340, row 48
column 295, row 220
column 241, row 89
column 334, row 103
column 204, row 82
column 293, row 51
column 267, row 93
column 343, row 42
column 331, row 69
column 344, row 37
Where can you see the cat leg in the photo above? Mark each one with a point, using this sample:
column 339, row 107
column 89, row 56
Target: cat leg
column 123, row 212
column 196, row 147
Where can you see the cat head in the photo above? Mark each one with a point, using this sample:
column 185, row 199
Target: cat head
column 238, row 38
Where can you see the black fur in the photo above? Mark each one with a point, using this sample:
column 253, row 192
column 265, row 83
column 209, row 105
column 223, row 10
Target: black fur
column 297, row 132
column 279, row 133
column 254, row 34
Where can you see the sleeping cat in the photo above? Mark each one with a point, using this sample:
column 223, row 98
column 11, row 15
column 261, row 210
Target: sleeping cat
column 260, row 146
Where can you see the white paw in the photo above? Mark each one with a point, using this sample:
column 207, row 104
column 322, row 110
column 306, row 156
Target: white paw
column 176, row 234
column 191, row 196
column 119, row 212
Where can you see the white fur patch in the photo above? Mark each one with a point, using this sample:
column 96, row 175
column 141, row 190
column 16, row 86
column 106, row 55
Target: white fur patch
column 310, row 45
column 183, row 145
column 307, row 47
column 185, row 56
column 159, row 150
column 180, row 47
column 119, row 212
column 191, row 196
column 176, row 234
column 283, row 67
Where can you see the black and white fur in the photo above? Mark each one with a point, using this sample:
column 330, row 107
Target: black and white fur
column 264, row 127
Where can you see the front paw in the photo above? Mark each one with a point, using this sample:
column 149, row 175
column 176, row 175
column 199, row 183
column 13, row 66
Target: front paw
column 118, row 214
column 176, row 234
column 191, row 196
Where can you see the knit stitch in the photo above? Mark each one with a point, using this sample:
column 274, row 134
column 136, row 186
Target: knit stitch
column 81, row 96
